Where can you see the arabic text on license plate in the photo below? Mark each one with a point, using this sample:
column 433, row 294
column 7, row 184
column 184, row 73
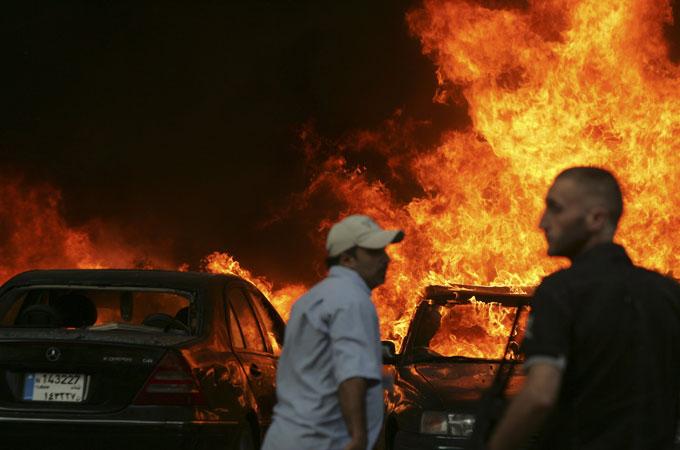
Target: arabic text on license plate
column 54, row 387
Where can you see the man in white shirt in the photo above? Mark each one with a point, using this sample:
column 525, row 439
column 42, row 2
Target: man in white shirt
column 329, row 376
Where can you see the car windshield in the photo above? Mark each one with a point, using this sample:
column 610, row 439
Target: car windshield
column 99, row 309
column 474, row 329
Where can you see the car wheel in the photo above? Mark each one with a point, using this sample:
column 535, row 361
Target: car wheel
column 246, row 441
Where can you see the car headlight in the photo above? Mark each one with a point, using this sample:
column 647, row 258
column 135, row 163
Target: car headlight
column 437, row 422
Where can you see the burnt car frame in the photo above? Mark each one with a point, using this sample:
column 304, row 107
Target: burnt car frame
column 204, row 378
column 435, row 399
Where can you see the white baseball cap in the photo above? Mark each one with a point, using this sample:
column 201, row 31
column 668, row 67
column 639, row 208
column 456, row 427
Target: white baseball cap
column 361, row 231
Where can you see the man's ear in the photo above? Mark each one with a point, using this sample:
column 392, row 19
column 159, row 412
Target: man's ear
column 597, row 218
column 347, row 260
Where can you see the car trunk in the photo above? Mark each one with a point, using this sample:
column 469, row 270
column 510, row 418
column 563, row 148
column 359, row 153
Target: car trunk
column 76, row 370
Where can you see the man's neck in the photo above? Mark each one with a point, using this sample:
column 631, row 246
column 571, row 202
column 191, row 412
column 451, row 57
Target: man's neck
column 594, row 242
column 357, row 272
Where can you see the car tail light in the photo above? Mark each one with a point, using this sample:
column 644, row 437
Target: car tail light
column 170, row 383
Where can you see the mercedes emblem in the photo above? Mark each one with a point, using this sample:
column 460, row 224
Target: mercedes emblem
column 53, row 354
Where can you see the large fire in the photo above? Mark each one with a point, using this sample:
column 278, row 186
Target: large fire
column 555, row 84
column 559, row 83
column 35, row 235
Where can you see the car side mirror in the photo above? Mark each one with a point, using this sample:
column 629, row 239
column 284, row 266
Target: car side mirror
column 389, row 352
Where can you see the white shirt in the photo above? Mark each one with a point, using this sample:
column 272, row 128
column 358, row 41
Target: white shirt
column 332, row 335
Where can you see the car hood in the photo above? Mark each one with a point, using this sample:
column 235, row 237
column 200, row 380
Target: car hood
column 458, row 382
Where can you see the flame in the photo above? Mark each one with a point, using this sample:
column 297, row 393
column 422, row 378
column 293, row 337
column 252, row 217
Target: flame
column 553, row 85
column 559, row 84
column 282, row 299
column 34, row 235
column 481, row 331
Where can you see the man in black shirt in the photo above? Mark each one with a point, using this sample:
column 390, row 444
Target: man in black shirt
column 602, row 344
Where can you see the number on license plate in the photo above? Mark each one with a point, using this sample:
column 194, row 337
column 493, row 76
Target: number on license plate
column 54, row 387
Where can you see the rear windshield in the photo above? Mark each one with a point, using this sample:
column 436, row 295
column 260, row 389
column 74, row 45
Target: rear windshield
column 475, row 330
column 104, row 309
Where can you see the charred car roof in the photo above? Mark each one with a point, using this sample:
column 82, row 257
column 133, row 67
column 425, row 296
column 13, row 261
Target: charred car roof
column 459, row 293
column 118, row 277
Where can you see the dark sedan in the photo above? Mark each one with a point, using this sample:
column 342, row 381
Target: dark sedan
column 455, row 342
column 135, row 358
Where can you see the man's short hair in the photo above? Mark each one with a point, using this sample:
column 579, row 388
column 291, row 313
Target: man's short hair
column 602, row 183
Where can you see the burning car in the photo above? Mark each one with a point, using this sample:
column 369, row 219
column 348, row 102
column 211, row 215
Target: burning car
column 154, row 359
column 454, row 346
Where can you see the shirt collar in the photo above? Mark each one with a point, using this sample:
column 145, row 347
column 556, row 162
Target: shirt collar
column 606, row 251
column 344, row 272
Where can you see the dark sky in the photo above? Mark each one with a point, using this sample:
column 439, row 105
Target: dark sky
column 179, row 121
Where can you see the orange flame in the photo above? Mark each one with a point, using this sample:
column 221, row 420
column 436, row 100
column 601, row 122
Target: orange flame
column 560, row 83
column 281, row 299
column 35, row 235
column 481, row 331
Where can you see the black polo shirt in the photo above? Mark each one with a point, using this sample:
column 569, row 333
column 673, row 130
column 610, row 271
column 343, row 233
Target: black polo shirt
column 615, row 328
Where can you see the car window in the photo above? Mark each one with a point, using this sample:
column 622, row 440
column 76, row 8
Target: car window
column 475, row 329
column 246, row 319
column 274, row 327
column 234, row 329
column 98, row 308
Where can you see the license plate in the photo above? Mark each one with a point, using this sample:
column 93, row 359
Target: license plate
column 54, row 387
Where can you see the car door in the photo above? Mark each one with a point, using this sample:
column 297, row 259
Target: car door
column 223, row 381
column 273, row 326
column 259, row 363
